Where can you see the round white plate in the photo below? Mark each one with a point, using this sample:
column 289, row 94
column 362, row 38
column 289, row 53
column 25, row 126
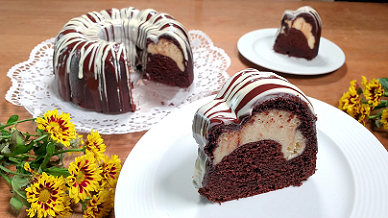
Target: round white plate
column 351, row 180
column 257, row 47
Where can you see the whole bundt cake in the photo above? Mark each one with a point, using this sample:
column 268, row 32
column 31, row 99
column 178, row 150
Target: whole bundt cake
column 96, row 53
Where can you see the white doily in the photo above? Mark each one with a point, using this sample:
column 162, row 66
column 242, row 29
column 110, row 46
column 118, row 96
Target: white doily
column 33, row 87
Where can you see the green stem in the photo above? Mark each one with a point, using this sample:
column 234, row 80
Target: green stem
column 374, row 116
column 69, row 150
column 57, row 171
column 50, row 147
column 26, row 155
column 7, row 178
column 14, row 160
column 5, row 136
column 28, row 134
column 13, row 123
column 12, row 172
column 40, row 138
column 85, row 203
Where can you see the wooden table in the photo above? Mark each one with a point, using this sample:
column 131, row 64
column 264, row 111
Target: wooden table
column 360, row 29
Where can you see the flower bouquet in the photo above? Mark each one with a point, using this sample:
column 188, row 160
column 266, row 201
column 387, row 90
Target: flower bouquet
column 367, row 102
column 33, row 166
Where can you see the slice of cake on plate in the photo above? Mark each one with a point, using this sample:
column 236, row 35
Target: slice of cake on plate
column 256, row 136
column 299, row 34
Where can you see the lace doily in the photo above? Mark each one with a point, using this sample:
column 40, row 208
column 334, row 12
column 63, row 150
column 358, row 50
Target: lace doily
column 33, row 87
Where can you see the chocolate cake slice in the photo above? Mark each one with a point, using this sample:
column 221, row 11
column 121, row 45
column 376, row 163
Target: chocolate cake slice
column 299, row 34
column 256, row 136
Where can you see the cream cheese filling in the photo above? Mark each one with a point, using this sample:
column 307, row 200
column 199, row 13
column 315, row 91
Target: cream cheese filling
column 278, row 125
column 300, row 24
column 169, row 49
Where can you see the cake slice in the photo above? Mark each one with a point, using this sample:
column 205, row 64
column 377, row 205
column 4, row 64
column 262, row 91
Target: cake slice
column 299, row 34
column 256, row 136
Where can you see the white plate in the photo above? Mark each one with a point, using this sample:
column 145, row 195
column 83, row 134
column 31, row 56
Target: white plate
column 257, row 47
column 351, row 181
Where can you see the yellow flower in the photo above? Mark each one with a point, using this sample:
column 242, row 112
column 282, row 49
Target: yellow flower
column 35, row 173
column 384, row 119
column 364, row 81
column 350, row 101
column 95, row 145
column 364, row 113
column 100, row 204
column 27, row 167
column 57, row 126
column 48, row 197
column 84, row 178
column 110, row 171
column 372, row 91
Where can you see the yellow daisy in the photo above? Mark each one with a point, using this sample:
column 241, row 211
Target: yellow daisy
column 95, row 145
column 350, row 102
column 364, row 113
column 110, row 171
column 59, row 127
column 27, row 167
column 48, row 197
column 100, row 204
column 35, row 173
column 84, row 178
column 372, row 91
column 384, row 119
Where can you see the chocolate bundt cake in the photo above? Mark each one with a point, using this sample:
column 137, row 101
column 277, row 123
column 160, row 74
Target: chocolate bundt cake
column 299, row 34
column 256, row 136
column 95, row 54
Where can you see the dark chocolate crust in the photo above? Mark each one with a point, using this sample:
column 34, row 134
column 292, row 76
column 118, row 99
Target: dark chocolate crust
column 85, row 91
column 294, row 43
column 260, row 167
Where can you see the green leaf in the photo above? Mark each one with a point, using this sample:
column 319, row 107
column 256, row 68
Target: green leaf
column 17, row 145
column 40, row 131
column 7, row 178
column 40, row 150
column 16, row 204
column 383, row 104
column 18, row 186
column 384, row 83
column 17, row 138
column 359, row 91
column 13, row 119
column 378, row 123
column 2, row 145
column 57, row 171
column 5, row 133
column 6, row 151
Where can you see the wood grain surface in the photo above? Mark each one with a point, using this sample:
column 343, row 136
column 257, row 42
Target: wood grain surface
column 360, row 29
